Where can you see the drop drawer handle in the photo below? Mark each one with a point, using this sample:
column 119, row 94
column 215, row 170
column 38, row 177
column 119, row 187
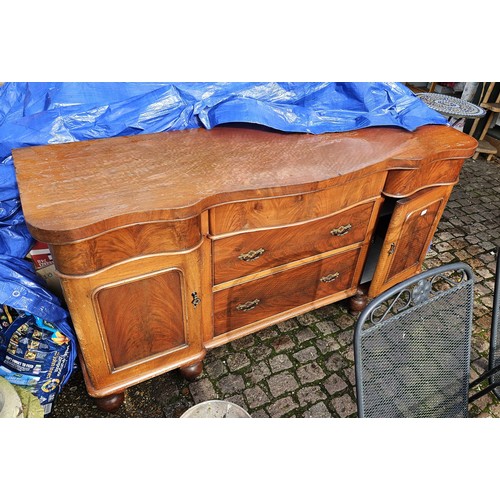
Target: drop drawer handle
column 341, row 230
column 252, row 255
column 330, row 278
column 248, row 306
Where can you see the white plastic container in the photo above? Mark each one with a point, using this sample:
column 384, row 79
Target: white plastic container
column 216, row 409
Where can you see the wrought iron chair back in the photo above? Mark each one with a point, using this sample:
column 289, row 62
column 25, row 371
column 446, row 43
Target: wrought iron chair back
column 412, row 347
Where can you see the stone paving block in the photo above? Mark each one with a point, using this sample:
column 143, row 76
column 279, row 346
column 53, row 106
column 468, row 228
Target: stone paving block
column 345, row 337
column 243, row 343
column 215, row 369
column 344, row 321
column 310, row 394
column 281, row 407
column 259, row 414
column 307, row 319
column 328, row 344
column 334, row 383
column 231, row 384
column 202, row 390
column 282, row 383
column 310, row 373
column 237, row 361
column 238, row 399
column 305, row 355
column 259, row 352
column 288, row 325
column 303, row 335
column 319, row 410
column 279, row 363
column 256, row 397
column 335, row 362
column 267, row 333
column 327, row 327
column 283, row 343
column 344, row 406
column 258, row 372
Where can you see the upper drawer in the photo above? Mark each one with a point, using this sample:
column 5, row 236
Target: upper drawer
column 250, row 252
column 92, row 254
column 273, row 212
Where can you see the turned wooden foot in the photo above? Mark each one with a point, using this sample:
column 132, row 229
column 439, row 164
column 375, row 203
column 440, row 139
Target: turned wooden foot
column 358, row 302
column 191, row 372
column 110, row 403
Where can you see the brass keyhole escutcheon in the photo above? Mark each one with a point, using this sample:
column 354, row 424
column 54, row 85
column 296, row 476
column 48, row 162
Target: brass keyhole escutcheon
column 196, row 300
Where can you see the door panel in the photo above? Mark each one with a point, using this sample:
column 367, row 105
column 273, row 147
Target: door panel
column 408, row 237
column 143, row 317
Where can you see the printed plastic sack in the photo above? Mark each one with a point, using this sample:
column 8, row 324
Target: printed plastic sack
column 37, row 342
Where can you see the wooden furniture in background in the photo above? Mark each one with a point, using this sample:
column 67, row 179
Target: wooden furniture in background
column 173, row 243
column 492, row 109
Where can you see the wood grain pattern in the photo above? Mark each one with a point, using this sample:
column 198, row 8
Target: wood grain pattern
column 243, row 304
column 91, row 254
column 108, row 183
column 143, row 317
column 288, row 244
column 274, row 212
column 436, row 173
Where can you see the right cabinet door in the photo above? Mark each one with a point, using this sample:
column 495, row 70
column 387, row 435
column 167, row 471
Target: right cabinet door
column 408, row 237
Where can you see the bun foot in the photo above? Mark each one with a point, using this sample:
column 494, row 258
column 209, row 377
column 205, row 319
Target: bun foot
column 357, row 302
column 191, row 372
column 110, row 403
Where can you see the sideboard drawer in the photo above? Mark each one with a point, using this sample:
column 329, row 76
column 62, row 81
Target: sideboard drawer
column 246, row 253
column 244, row 304
column 111, row 247
column 280, row 211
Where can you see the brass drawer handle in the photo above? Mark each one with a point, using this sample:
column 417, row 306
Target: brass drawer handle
column 252, row 255
column 248, row 306
column 330, row 278
column 341, row 230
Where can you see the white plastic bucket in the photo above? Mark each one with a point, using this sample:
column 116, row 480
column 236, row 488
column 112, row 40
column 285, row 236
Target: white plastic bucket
column 216, row 409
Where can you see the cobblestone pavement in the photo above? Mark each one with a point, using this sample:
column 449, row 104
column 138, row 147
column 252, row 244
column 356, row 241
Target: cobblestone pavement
column 304, row 367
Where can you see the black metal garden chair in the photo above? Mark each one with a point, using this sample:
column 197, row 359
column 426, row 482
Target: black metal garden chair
column 412, row 347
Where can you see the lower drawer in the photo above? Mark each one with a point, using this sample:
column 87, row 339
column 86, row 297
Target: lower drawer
column 256, row 300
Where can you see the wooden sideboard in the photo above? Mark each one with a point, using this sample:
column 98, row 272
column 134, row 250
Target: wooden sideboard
column 173, row 243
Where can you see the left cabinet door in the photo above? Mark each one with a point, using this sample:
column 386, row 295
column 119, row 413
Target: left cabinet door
column 138, row 319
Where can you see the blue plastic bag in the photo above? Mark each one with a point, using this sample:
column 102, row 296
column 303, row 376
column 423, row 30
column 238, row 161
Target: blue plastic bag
column 37, row 341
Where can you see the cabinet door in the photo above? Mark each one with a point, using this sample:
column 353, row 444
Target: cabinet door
column 408, row 237
column 138, row 319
